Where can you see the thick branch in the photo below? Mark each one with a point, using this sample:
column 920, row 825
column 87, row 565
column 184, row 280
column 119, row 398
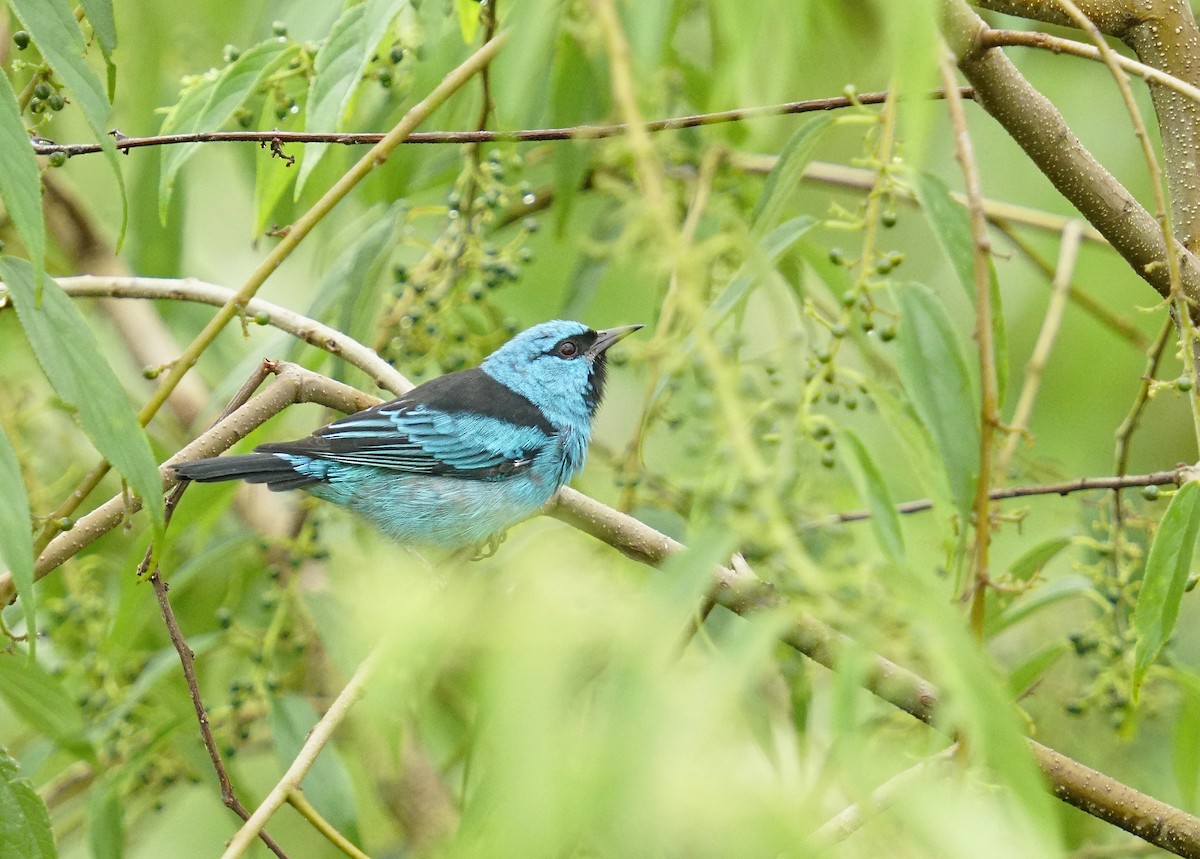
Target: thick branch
column 1037, row 126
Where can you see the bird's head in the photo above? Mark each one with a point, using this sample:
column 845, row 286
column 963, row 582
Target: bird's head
column 558, row 366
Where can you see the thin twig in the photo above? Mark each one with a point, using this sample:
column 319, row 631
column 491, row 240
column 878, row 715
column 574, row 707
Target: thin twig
column 186, row 656
column 1174, row 477
column 318, row 737
column 190, row 289
column 1119, row 326
column 297, row 800
column 1034, row 39
column 575, row 132
column 847, row 821
column 989, row 417
column 1060, row 290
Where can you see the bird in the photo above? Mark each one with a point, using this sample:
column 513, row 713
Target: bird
column 456, row 461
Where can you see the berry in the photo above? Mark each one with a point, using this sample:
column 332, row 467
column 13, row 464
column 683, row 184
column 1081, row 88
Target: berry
column 58, row 159
column 42, row 91
column 21, row 38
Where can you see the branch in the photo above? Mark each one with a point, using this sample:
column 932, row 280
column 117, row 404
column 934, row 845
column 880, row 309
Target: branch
column 302, row 327
column 738, row 590
column 1037, row 126
column 1174, row 477
column 1058, row 45
column 318, row 737
column 575, row 132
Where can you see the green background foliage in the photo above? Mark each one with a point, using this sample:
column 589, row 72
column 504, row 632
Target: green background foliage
column 809, row 350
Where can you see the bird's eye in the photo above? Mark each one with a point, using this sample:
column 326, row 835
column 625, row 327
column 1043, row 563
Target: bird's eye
column 567, row 349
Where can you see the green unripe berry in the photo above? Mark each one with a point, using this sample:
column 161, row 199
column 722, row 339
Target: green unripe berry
column 837, row 256
column 43, row 90
column 385, row 79
column 66, row 523
column 262, row 318
column 1150, row 493
column 887, row 333
column 224, row 618
column 839, row 331
column 151, row 372
column 231, row 53
column 530, row 225
column 1184, row 384
column 21, row 39
column 56, row 102
column 888, row 218
column 396, row 54
column 279, row 28
column 57, row 159
column 828, row 460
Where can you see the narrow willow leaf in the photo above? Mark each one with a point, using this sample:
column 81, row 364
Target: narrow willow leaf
column 104, row 23
column 53, row 27
column 272, row 174
column 72, row 361
column 936, row 380
column 16, row 535
column 20, row 184
column 338, row 71
column 868, row 480
column 41, row 702
column 105, row 835
column 468, row 19
column 327, row 784
column 520, row 79
column 210, row 103
column 1166, row 576
column 1029, row 670
column 762, row 259
column 1032, row 561
column 951, row 226
column 25, row 831
column 1186, row 742
column 785, row 176
column 1036, row 600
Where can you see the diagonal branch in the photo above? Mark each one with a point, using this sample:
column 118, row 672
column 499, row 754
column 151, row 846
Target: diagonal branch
column 1037, row 126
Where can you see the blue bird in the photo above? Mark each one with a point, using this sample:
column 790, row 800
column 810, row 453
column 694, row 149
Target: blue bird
column 456, row 461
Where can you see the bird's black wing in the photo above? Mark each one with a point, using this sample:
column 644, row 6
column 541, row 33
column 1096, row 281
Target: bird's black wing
column 462, row 424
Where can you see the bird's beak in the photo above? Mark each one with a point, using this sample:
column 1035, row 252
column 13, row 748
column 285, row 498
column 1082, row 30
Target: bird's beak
column 608, row 337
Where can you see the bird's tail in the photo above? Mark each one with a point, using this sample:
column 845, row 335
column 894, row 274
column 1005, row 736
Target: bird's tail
column 278, row 473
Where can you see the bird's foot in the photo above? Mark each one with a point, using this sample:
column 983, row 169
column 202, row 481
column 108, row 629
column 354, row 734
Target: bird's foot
column 490, row 547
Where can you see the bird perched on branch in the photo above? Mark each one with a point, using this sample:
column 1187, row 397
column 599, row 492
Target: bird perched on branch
column 459, row 459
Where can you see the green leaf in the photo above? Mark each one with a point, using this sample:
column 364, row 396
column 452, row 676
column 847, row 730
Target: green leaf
column 951, row 226
column 72, row 361
column 520, row 78
column 1166, row 576
column 16, row 535
column 338, row 72
column 785, row 176
column 762, row 260
column 210, row 103
column 272, row 174
column 1186, row 742
column 104, row 24
column 327, row 784
column 20, row 184
column 1027, row 672
column 1035, row 600
column 468, row 19
column 936, row 380
column 53, row 27
column 41, row 702
column 106, row 839
column 868, row 480
column 1031, row 562
column 25, row 831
